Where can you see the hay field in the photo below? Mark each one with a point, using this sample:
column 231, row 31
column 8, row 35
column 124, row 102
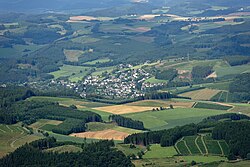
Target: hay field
column 105, row 134
column 123, row 109
column 203, row 94
column 161, row 103
column 42, row 122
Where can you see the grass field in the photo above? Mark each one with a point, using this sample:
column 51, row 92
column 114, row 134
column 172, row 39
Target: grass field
column 42, row 122
column 123, row 109
column 156, row 151
column 65, row 148
column 12, row 137
column 235, row 164
column 170, row 118
column 232, row 70
column 154, row 80
column 163, row 103
column 201, row 145
column 125, row 148
column 73, row 55
column 215, row 106
column 219, row 85
column 104, row 60
column 202, row 94
column 74, row 73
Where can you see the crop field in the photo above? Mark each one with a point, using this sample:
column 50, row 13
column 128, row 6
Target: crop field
column 123, row 109
column 163, row 103
column 165, row 119
column 241, row 108
column 201, row 145
column 156, row 151
column 219, row 85
column 73, row 55
column 232, row 70
column 12, row 137
column 202, row 94
column 75, row 73
column 105, row 134
column 216, row 106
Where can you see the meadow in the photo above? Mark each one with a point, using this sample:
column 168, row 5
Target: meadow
column 202, row 94
column 166, row 119
column 12, row 137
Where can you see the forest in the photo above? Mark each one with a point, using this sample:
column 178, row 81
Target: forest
column 99, row 154
column 127, row 122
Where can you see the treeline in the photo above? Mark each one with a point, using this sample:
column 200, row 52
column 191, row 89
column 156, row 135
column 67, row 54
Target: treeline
column 11, row 94
column 127, row 122
column 201, row 71
column 237, row 135
column 169, row 137
column 164, row 137
column 30, row 111
column 100, row 154
column 169, row 74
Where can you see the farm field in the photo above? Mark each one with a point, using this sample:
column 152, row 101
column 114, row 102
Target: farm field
column 163, row 103
column 105, row 134
column 43, row 122
column 156, row 151
column 12, row 137
column 232, row 70
column 245, row 163
column 201, row 145
column 75, row 73
column 125, row 148
column 203, row 94
column 166, row 119
column 215, row 106
column 123, row 109
column 73, row 55
column 154, row 80
column 98, row 126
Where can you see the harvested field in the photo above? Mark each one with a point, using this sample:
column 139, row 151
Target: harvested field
column 161, row 103
column 105, row 134
column 213, row 75
column 123, row 109
column 203, row 94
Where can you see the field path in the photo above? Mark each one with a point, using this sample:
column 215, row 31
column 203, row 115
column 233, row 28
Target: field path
column 11, row 130
column 2, row 130
column 197, row 144
column 202, row 139
column 177, row 149
column 13, row 142
column 187, row 147
column 222, row 152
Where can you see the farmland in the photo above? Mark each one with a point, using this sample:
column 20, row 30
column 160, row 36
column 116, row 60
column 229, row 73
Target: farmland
column 123, row 109
column 163, row 103
column 73, row 55
column 170, row 118
column 12, row 137
column 201, row 145
column 105, row 134
column 156, row 151
column 203, row 94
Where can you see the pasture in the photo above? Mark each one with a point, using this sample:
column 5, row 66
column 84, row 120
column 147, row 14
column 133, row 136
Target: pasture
column 215, row 106
column 202, row 94
column 12, row 137
column 73, row 55
column 156, row 151
column 123, row 109
column 74, row 73
column 42, row 122
column 64, row 148
column 163, row 103
column 201, row 145
column 165, row 119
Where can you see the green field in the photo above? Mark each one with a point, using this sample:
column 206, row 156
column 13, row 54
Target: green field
column 75, row 73
column 156, row 151
column 125, row 148
column 154, row 80
column 212, row 106
column 65, row 148
column 104, row 60
column 12, row 137
column 205, row 145
column 232, row 70
column 170, row 118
